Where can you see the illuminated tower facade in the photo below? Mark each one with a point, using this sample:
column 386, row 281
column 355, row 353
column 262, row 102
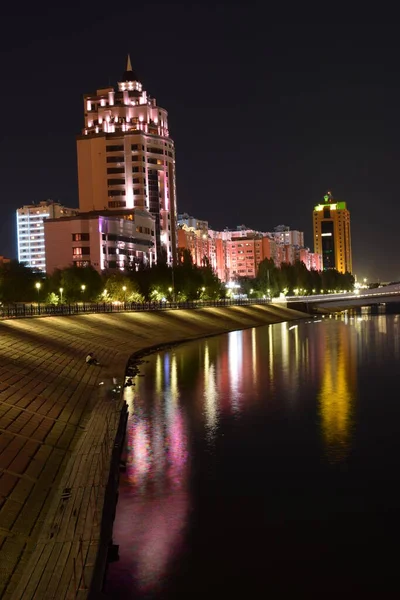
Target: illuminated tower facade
column 126, row 158
column 332, row 237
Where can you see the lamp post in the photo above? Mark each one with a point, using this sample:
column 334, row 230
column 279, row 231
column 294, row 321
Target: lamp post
column 61, row 294
column 83, row 288
column 37, row 286
column 124, row 290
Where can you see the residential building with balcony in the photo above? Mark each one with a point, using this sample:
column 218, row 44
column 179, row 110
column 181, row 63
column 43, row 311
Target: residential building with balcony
column 106, row 240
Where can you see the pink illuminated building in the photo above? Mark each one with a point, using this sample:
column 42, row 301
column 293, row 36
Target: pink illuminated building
column 126, row 158
column 234, row 253
column 109, row 240
column 312, row 260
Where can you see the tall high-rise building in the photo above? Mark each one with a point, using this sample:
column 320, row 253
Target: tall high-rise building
column 332, row 237
column 30, row 230
column 126, row 158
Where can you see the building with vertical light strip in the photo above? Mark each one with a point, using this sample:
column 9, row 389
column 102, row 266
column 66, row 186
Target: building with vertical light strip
column 30, row 231
column 126, row 158
column 332, row 239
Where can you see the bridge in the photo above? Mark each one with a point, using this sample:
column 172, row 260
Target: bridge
column 362, row 297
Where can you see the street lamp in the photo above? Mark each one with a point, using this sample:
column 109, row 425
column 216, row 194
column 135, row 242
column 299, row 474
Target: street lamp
column 124, row 290
column 61, row 293
column 83, row 288
column 38, row 286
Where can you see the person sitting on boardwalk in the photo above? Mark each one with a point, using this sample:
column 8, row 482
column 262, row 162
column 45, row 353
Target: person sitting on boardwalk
column 91, row 360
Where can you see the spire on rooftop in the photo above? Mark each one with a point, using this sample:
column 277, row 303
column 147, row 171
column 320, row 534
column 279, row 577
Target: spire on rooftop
column 129, row 74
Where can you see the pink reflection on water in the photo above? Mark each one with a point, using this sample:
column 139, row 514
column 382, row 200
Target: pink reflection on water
column 153, row 501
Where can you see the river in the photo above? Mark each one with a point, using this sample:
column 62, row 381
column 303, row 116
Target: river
column 264, row 461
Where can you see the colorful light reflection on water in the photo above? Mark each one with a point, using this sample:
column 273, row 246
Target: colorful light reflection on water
column 253, row 450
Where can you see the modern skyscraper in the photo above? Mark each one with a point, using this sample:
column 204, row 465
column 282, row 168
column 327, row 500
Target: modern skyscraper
column 126, row 158
column 332, row 238
column 30, row 230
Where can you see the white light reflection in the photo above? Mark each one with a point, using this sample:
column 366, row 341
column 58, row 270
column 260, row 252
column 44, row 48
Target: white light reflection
column 210, row 398
column 254, row 354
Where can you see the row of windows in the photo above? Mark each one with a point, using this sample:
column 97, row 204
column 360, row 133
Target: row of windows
column 113, row 237
column 153, row 173
column 80, row 237
column 78, row 251
column 137, row 148
column 120, row 159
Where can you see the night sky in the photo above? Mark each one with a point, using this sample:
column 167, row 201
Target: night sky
column 266, row 116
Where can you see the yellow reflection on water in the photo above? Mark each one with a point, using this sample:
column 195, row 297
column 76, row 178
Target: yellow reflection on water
column 336, row 397
column 158, row 377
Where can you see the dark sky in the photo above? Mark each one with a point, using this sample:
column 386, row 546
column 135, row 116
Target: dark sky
column 266, row 115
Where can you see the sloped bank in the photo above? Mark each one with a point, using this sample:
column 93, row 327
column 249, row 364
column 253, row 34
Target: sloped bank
column 68, row 553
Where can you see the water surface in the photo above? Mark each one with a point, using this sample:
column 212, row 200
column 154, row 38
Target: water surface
column 264, row 461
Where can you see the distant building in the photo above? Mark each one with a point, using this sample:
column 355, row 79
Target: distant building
column 30, row 230
column 185, row 219
column 332, row 239
column 312, row 261
column 113, row 240
column 4, row 260
column 126, row 158
column 284, row 235
column 234, row 253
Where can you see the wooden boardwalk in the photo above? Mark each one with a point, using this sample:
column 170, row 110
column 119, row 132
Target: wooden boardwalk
column 57, row 427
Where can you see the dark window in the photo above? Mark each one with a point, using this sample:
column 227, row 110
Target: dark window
column 116, row 181
column 328, row 244
column 115, row 170
column 116, row 204
column 135, row 169
column 80, row 237
column 155, row 150
column 135, row 158
column 112, row 264
column 115, row 148
column 82, row 263
column 137, row 192
column 115, row 159
column 134, row 147
column 136, row 180
column 327, row 212
column 116, row 192
column 152, row 161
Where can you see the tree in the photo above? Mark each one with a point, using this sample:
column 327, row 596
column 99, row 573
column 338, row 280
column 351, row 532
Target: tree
column 17, row 282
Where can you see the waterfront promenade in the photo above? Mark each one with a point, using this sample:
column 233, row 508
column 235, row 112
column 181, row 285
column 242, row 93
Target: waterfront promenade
column 57, row 431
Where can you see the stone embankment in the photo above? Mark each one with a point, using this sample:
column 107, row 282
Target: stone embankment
column 60, row 427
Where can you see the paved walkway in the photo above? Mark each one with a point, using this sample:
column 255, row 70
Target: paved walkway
column 56, row 437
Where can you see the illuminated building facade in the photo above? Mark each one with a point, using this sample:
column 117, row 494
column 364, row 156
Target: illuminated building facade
column 126, row 158
column 234, row 253
column 106, row 240
column 30, row 231
column 332, row 237
column 289, row 237
column 312, row 261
